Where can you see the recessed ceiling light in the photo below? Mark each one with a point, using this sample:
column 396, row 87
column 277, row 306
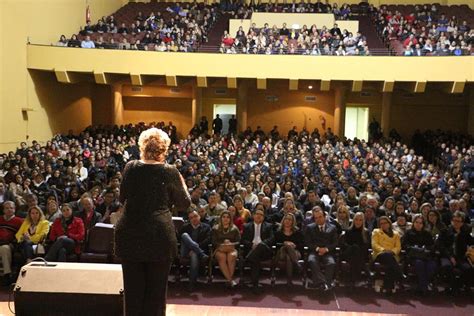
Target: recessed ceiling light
column 310, row 87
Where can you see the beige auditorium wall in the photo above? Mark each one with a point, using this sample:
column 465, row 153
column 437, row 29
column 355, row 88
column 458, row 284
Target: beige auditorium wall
column 102, row 104
column 177, row 110
column 65, row 106
column 42, row 22
column 431, row 110
column 290, row 109
column 2, row 85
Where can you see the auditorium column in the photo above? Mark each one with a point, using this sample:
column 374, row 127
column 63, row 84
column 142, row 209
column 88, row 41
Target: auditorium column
column 242, row 104
column 470, row 117
column 196, row 105
column 339, row 110
column 117, row 111
column 386, row 109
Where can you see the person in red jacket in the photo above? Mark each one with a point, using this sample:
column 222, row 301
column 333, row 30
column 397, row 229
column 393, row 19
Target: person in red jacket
column 9, row 225
column 67, row 233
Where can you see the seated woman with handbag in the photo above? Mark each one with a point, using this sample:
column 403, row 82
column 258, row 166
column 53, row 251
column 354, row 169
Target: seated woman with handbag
column 67, row 234
column 419, row 246
column 32, row 233
column 225, row 236
column 291, row 240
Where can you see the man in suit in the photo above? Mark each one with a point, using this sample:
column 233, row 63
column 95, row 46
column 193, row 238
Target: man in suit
column 257, row 240
column 321, row 239
column 195, row 238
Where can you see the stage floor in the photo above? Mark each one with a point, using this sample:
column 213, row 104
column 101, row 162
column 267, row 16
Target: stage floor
column 216, row 299
column 206, row 310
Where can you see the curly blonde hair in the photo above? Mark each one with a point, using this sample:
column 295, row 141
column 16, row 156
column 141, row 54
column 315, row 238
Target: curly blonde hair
column 153, row 144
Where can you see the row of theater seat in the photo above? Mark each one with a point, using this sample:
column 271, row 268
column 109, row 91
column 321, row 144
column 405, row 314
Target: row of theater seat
column 100, row 245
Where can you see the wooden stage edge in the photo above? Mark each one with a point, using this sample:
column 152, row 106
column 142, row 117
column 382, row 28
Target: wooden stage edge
column 208, row 310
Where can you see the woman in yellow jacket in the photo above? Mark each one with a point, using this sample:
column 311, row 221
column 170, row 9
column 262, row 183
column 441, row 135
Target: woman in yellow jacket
column 386, row 248
column 32, row 232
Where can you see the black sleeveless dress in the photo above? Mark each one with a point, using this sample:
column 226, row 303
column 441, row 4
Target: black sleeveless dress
column 145, row 232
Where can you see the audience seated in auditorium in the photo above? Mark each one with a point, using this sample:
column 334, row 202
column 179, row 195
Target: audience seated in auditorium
column 425, row 31
column 182, row 29
column 281, row 176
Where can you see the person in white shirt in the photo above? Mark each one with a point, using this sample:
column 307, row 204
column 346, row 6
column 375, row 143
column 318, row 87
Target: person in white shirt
column 257, row 239
column 251, row 199
column 87, row 43
column 81, row 171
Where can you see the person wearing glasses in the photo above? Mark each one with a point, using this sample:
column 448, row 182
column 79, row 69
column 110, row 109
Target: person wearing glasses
column 453, row 245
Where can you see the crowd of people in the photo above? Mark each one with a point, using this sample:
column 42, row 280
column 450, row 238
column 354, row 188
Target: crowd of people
column 304, row 41
column 181, row 27
column 241, row 10
column 427, row 31
column 283, row 40
column 251, row 191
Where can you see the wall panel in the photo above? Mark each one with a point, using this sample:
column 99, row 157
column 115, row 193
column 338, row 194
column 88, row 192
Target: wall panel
column 141, row 109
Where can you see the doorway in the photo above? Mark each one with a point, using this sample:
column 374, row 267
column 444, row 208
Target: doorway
column 225, row 112
column 357, row 123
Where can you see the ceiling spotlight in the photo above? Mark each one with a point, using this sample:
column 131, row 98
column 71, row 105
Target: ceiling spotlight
column 310, row 87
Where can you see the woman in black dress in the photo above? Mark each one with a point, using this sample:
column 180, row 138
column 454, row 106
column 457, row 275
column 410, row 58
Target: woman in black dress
column 145, row 237
column 291, row 242
column 355, row 247
column 419, row 245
